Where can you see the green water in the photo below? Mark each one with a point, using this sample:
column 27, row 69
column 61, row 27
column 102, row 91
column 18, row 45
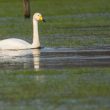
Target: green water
column 70, row 23
column 79, row 89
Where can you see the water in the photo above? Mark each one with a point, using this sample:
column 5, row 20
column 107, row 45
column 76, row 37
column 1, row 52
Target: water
column 54, row 58
column 75, row 78
column 69, row 88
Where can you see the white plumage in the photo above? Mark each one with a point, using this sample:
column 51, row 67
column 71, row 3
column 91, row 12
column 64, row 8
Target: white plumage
column 14, row 43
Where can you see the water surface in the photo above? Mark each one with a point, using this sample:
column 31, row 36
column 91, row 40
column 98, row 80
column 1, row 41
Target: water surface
column 55, row 58
column 75, row 78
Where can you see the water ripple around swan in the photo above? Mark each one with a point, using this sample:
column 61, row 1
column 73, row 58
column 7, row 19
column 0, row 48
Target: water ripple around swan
column 55, row 58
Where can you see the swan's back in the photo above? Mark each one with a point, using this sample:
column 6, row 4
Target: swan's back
column 13, row 43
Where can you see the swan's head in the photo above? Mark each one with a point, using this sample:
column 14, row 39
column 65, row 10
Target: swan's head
column 38, row 17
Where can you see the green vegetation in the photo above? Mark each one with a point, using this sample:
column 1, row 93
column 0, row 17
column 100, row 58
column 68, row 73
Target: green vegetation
column 87, row 86
column 70, row 23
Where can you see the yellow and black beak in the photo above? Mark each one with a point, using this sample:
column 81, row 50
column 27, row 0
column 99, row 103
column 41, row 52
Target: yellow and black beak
column 42, row 19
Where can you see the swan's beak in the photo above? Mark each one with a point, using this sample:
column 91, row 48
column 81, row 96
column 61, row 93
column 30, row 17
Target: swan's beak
column 42, row 19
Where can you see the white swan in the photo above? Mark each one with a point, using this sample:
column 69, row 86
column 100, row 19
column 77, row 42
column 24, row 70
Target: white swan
column 14, row 43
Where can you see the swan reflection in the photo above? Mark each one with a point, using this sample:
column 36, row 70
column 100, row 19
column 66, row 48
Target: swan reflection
column 53, row 58
column 20, row 59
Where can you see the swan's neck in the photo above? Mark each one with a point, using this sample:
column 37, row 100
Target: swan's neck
column 36, row 42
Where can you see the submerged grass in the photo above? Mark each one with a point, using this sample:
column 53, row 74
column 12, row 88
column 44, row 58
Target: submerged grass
column 70, row 23
column 56, row 88
column 55, row 84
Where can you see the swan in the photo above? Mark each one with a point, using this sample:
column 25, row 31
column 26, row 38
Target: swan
column 14, row 43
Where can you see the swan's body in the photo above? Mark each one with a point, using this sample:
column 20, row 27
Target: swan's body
column 14, row 43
